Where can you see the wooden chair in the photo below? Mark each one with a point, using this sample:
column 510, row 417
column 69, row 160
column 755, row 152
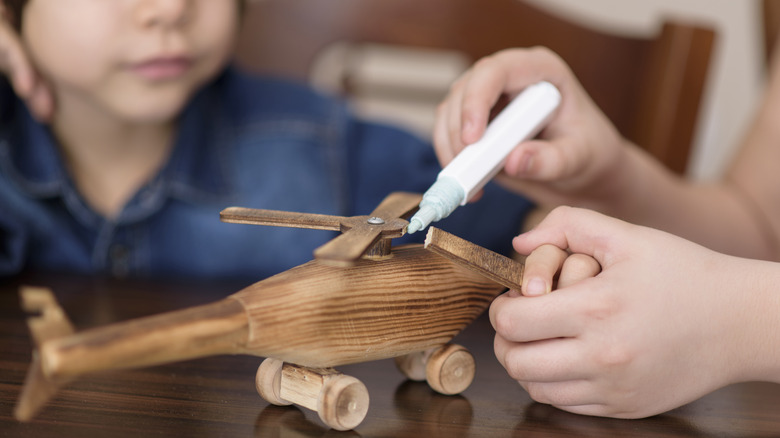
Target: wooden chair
column 650, row 88
column 771, row 21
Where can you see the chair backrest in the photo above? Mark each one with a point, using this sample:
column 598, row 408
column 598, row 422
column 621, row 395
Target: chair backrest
column 771, row 21
column 649, row 87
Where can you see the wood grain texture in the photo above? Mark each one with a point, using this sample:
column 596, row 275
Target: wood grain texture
column 277, row 218
column 340, row 308
column 217, row 328
column 341, row 401
column 494, row 266
column 398, row 205
column 322, row 316
column 268, row 382
column 450, row 369
column 314, row 315
column 345, row 249
column 362, row 234
column 215, row 396
column 302, row 385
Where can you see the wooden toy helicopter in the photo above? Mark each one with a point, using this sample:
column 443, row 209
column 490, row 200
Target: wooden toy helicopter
column 356, row 301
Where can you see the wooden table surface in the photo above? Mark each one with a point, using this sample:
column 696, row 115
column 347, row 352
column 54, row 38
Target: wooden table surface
column 216, row 397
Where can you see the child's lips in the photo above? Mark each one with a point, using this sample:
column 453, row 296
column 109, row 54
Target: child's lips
column 163, row 68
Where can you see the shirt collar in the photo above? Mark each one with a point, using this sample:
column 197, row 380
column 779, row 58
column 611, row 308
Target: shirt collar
column 30, row 157
column 196, row 171
column 198, row 168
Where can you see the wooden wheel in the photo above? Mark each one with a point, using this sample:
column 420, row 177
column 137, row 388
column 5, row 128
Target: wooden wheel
column 343, row 402
column 450, row 369
column 413, row 365
column 340, row 401
column 268, row 382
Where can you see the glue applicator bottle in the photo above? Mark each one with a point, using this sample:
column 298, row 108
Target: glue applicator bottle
column 479, row 162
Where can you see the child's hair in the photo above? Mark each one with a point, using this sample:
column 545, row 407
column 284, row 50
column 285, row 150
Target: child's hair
column 15, row 8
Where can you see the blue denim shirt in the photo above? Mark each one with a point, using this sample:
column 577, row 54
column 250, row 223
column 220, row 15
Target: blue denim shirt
column 243, row 141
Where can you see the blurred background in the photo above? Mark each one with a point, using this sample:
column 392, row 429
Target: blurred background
column 737, row 69
column 402, row 84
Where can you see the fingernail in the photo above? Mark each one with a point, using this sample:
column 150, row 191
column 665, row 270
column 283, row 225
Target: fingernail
column 526, row 161
column 535, row 287
column 468, row 132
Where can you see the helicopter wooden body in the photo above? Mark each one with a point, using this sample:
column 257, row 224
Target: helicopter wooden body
column 408, row 304
column 313, row 315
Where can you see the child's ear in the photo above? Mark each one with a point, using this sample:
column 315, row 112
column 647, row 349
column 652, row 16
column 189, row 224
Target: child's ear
column 11, row 12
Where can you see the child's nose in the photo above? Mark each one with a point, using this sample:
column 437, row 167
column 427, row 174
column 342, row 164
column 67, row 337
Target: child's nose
column 166, row 13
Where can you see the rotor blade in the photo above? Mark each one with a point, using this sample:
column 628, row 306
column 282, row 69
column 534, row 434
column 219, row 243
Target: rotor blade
column 345, row 249
column 277, row 218
column 397, row 205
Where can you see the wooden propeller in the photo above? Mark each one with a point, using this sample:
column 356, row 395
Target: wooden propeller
column 361, row 235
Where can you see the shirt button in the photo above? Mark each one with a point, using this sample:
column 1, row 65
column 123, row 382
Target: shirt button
column 147, row 197
column 120, row 260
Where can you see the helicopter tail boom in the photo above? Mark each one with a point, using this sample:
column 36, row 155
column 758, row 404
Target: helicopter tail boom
column 62, row 355
column 50, row 323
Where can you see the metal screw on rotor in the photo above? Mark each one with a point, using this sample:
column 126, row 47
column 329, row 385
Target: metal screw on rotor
column 376, row 220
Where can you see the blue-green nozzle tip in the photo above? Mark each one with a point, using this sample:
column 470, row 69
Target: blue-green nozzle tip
column 438, row 202
column 421, row 219
column 424, row 216
column 415, row 225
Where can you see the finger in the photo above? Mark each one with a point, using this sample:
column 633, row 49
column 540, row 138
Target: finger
column 538, row 64
column 580, row 231
column 541, row 266
column 575, row 268
column 454, row 118
column 491, row 79
column 567, row 395
column 484, row 86
column 441, row 142
column 500, row 74
column 446, row 144
column 527, row 319
column 551, row 360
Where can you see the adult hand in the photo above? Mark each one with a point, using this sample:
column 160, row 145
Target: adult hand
column 578, row 155
column 663, row 323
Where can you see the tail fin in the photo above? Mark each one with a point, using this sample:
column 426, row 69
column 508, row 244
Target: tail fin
column 49, row 323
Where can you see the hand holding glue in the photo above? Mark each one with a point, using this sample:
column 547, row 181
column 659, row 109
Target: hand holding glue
column 479, row 162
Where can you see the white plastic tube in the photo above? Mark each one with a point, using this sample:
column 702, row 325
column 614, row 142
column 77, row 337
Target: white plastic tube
column 479, row 162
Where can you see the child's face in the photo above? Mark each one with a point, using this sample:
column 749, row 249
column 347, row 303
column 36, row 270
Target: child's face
column 137, row 60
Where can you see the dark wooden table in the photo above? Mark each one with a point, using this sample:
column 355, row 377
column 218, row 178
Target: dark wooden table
column 216, row 397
